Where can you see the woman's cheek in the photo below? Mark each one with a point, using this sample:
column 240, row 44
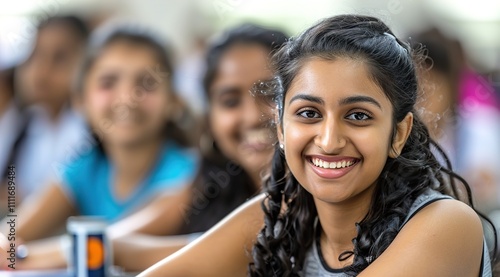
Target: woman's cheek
column 95, row 105
column 224, row 123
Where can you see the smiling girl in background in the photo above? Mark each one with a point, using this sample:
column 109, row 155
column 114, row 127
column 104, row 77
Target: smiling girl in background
column 354, row 187
column 139, row 156
column 241, row 143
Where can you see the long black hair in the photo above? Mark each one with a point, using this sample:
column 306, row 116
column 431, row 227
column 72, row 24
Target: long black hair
column 281, row 245
column 222, row 185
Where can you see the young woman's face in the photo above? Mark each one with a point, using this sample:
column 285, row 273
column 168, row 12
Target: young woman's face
column 48, row 73
column 236, row 119
column 125, row 97
column 337, row 126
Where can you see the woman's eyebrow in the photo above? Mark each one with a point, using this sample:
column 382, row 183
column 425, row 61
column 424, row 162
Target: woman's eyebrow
column 227, row 90
column 359, row 98
column 105, row 71
column 108, row 75
column 306, row 97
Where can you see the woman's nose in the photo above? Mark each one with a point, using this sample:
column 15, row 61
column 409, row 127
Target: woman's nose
column 331, row 136
column 253, row 115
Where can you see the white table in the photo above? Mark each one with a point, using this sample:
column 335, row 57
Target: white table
column 35, row 273
column 48, row 273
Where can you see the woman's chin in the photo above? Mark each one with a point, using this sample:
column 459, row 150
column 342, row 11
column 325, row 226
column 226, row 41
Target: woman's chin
column 128, row 142
column 255, row 163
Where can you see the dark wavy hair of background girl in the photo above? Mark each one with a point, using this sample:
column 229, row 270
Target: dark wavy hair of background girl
column 282, row 244
column 221, row 200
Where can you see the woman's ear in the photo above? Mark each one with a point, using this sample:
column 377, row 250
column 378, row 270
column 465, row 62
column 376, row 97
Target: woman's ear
column 403, row 130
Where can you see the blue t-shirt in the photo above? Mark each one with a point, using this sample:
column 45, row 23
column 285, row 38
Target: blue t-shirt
column 89, row 179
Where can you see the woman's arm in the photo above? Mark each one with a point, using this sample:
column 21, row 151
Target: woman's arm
column 443, row 239
column 222, row 251
column 137, row 252
column 162, row 217
column 159, row 217
column 40, row 216
column 37, row 218
column 44, row 254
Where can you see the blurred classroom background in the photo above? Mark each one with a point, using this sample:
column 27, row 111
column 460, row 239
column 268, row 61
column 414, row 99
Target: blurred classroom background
column 186, row 23
column 461, row 83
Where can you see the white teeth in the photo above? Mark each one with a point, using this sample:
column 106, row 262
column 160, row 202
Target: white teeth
column 257, row 136
column 324, row 164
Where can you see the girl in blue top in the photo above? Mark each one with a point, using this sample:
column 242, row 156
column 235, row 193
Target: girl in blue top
column 138, row 155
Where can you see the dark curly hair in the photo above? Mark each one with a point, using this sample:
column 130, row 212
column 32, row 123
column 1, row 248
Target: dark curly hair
column 282, row 243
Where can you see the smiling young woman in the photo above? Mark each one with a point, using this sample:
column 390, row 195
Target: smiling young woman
column 337, row 127
column 355, row 188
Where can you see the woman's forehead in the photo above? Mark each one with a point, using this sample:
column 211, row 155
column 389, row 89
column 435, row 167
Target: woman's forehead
column 335, row 79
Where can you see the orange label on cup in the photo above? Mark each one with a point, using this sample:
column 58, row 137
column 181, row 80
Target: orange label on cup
column 95, row 251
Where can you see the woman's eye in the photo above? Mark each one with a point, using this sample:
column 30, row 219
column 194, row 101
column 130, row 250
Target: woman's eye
column 60, row 58
column 358, row 116
column 107, row 84
column 309, row 114
column 230, row 102
column 148, row 83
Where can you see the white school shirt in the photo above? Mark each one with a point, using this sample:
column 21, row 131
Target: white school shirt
column 47, row 144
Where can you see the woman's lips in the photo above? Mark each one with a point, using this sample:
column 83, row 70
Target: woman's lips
column 256, row 146
column 332, row 167
column 257, row 140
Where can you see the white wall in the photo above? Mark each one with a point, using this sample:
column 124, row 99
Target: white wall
column 476, row 23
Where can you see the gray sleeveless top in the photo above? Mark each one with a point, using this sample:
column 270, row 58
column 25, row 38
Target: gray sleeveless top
column 314, row 264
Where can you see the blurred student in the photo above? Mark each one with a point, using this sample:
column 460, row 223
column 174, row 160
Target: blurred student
column 10, row 117
column 11, row 122
column 237, row 146
column 239, row 140
column 139, row 155
column 460, row 109
column 51, row 128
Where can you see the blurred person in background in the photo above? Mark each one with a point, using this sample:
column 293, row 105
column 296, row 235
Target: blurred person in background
column 139, row 156
column 237, row 146
column 52, row 129
column 9, row 115
column 461, row 111
column 11, row 122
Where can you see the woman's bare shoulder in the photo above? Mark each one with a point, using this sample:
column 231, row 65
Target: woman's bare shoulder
column 443, row 239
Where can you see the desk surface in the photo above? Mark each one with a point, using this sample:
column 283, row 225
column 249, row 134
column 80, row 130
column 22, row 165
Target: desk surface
column 37, row 273
column 48, row 273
